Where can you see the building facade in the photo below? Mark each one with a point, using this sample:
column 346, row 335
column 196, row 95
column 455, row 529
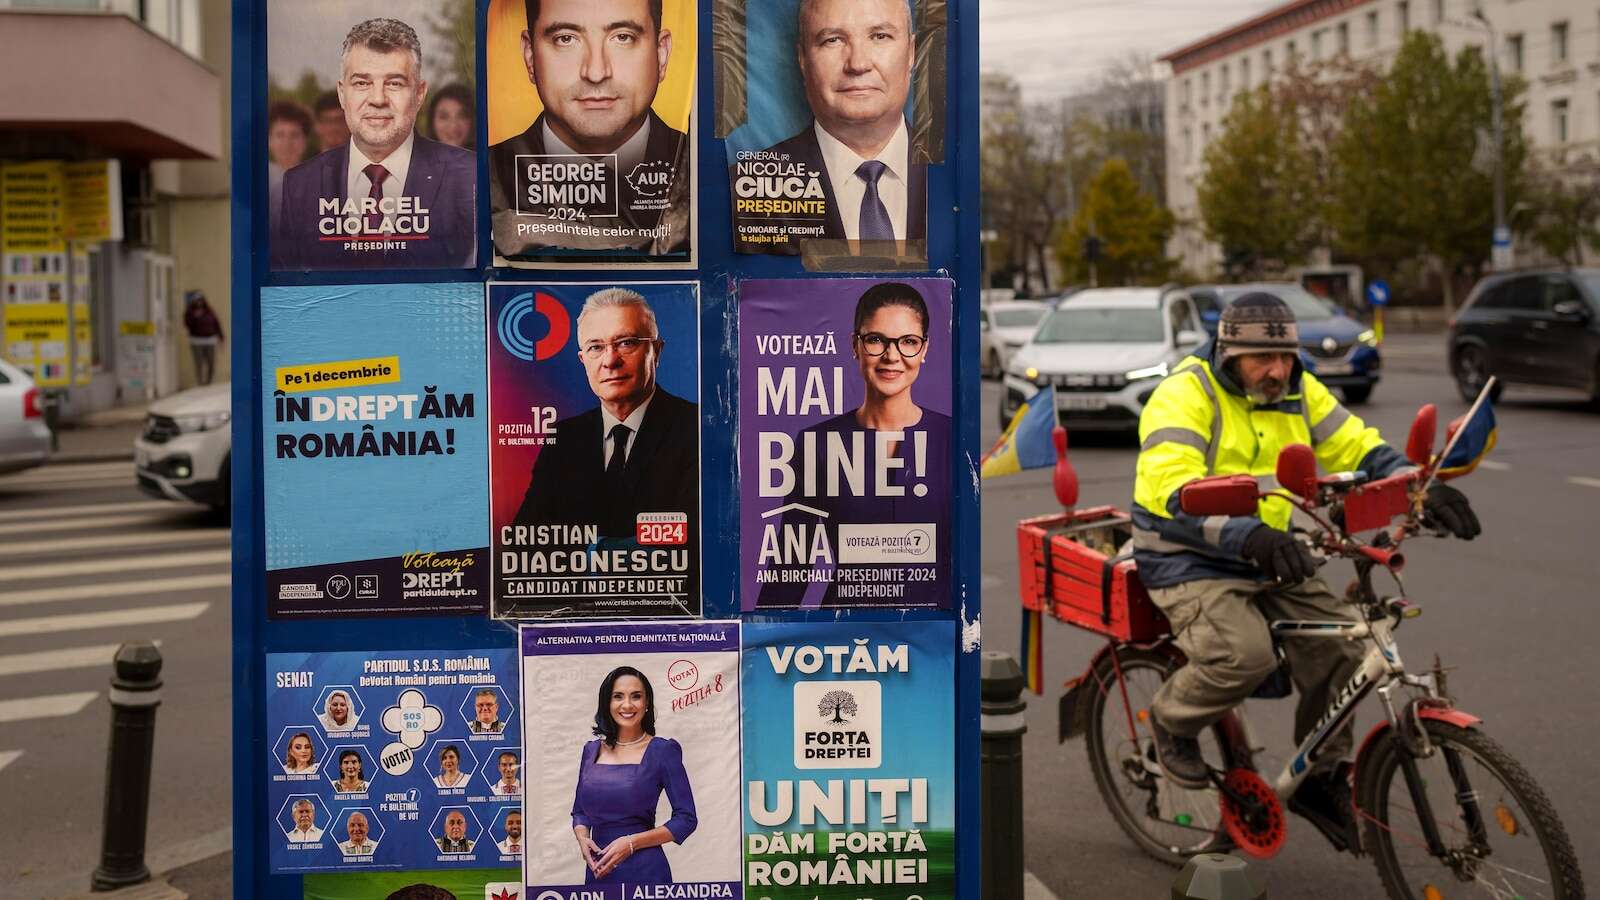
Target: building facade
column 1554, row 45
column 141, row 84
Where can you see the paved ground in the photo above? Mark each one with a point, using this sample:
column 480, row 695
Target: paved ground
column 1513, row 610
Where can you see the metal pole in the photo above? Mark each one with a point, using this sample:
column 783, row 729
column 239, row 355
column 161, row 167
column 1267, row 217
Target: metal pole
column 1003, row 725
column 1214, row 876
column 135, row 694
column 1501, row 259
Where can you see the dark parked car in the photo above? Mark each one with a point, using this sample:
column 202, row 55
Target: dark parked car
column 1341, row 351
column 1530, row 327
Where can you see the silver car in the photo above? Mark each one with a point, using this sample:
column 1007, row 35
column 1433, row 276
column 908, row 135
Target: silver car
column 1005, row 327
column 24, row 439
column 1105, row 350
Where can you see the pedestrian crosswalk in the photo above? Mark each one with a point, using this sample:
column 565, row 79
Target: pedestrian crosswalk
column 78, row 578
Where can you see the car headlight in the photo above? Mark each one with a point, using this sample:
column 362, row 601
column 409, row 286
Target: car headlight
column 204, row 422
column 1368, row 337
column 1159, row 370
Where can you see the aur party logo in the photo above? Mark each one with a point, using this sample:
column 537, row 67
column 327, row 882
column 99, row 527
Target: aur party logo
column 838, row 725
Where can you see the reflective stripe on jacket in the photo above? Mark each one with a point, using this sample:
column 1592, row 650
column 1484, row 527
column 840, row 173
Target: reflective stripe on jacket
column 1198, row 423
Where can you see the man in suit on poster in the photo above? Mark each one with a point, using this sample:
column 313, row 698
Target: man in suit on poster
column 596, row 65
column 388, row 197
column 637, row 450
column 856, row 58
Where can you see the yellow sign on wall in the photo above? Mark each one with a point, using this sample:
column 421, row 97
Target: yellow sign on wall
column 92, row 201
column 36, row 339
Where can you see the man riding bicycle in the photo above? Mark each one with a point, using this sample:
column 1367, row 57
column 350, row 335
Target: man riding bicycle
column 1228, row 409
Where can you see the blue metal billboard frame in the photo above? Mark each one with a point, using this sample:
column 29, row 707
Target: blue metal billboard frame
column 953, row 249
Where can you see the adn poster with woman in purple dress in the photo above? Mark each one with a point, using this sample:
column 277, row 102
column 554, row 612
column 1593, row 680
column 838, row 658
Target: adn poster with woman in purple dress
column 633, row 775
column 845, row 445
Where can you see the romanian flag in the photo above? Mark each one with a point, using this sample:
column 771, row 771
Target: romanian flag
column 1033, row 649
column 1473, row 440
column 1026, row 443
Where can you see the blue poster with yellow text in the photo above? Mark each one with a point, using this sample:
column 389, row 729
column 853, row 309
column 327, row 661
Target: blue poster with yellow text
column 849, row 761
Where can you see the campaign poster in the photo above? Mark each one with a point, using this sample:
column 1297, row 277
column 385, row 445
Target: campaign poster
column 635, row 742
column 832, row 112
column 371, row 129
column 594, row 393
column 591, row 154
column 436, row 884
column 375, row 450
column 849, row 761
column 846, row 449
column 393, row 759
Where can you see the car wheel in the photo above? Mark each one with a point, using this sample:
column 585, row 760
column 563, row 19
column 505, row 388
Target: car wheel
column 1472, row 372
column 1356, row 395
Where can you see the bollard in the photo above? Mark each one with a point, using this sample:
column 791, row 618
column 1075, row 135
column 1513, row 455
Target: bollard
column 135, row 694
column 1002, row 725
column 1215, row 876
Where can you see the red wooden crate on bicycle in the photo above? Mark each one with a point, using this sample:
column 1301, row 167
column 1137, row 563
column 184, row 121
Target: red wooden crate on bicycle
column 1068, row 567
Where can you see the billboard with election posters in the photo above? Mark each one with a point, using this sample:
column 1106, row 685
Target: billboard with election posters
column 634, row 736
column 393, row 759
column 463, row 884
column 845, row 443
column 828, row 155
column 370, row 129
column 849, row 760
column 594, row 423
column 590, row 156
column 374, row 453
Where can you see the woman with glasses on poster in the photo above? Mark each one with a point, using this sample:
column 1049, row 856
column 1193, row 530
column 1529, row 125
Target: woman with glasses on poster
column 621, row 777
column 908, row 444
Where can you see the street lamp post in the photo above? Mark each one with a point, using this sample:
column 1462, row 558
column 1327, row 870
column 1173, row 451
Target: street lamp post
column 1501, row 251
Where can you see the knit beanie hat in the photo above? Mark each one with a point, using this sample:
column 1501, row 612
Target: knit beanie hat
column 1258, row 322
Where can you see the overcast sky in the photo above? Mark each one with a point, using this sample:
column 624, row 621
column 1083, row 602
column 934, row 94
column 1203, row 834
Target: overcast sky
column 1058, row 47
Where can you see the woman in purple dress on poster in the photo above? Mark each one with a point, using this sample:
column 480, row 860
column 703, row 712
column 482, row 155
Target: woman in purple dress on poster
column 620, row 779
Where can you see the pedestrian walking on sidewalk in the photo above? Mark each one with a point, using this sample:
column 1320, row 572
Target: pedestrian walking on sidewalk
column 205, row 333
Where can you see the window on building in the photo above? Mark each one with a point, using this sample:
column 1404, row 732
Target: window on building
column 1372, row 28
column 1438, row 11
column 1558, row 42
column 1344, row 38
column 1514, row 50
column 1222, row 95
column 1205, row 88
column 1316, row 43
column 1205, row 136
column 1188, row 92
column 1266, row 64
column 1188, row 145
column 1244, row 73
column 1558, row 120
column 1402, row 13
column 1289, row 52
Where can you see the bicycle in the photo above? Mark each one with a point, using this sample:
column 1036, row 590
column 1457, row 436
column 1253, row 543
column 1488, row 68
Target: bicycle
column 1440, row 805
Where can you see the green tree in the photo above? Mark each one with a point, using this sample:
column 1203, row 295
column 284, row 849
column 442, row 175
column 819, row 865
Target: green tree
column 1257, row 193
column 1566, row 212
column 1412, row 160
column 454, row 24
column 1131, row 227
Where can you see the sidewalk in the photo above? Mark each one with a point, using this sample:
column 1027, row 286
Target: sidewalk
column 104, row 436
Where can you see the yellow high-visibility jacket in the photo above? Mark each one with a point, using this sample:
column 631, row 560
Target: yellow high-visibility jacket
column 1199, row 422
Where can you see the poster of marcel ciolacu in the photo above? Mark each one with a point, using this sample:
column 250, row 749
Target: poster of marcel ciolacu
column 374, row 450
column 845, row 443
column 849, row 760
column 393, row 759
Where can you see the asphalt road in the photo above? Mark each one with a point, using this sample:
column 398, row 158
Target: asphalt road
column 87, row 562
column 1514, row 611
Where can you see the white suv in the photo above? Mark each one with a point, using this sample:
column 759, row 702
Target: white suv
column 1105, row 350
column 183, row 453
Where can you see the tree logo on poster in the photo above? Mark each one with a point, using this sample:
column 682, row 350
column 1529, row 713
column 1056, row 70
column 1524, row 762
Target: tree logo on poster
column 837, row 705
column 510, row 326
column 850, row 735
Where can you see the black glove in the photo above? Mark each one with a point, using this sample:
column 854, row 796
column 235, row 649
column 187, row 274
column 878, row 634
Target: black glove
column 1280, row 556
column 1447, row 508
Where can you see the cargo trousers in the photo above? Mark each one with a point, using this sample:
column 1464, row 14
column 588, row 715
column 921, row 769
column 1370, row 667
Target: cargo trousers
column 1221, row 626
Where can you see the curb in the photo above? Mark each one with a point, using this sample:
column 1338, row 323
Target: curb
column 104, row 456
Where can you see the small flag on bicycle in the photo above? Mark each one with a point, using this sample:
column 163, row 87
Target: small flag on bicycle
column 1026, row 443
column 1033, row 649
column 1472, row 437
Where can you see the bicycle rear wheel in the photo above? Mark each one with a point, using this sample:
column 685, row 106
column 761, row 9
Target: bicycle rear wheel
column 1501, row 835
column 1166, row 821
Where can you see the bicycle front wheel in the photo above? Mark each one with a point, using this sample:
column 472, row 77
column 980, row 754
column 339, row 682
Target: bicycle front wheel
column 1168, row 822
column 1501, row 836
